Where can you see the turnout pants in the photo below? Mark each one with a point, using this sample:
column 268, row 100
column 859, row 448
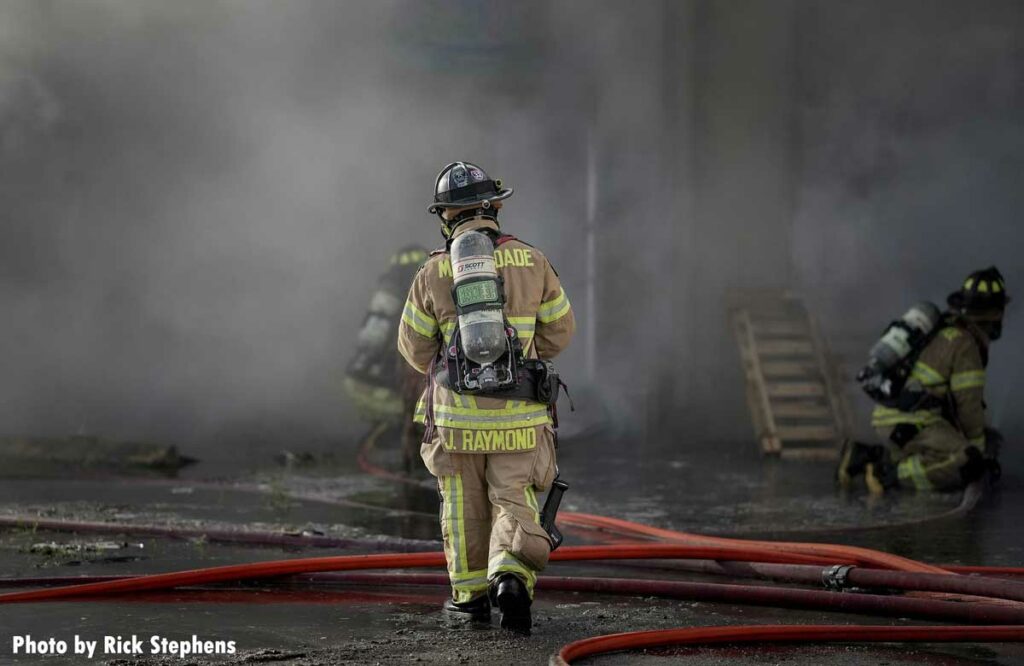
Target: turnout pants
column 932, row 459
column 490, row 518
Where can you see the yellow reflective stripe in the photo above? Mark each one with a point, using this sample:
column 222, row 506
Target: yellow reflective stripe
column 463, row 558
column 374, row 402
column 468, row 585
column 447, row 328
column 420, row 414
column 912, row 470
column 463, row 418
column 531, row 501
column 885, row 416
column 553, row 310
column 927, row 375
column 506, row 562
column 444, row 483
column 525, row 328
column 978, row 441
column 523, row 323
column 528, row 409
column 422, row 323
column 961, row 381
column 469, row 577
column 453, row 497
column 406, row 258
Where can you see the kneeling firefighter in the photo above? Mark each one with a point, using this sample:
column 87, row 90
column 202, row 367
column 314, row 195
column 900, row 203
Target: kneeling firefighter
column 383, row 389
column 927, row 375
column 483, row 318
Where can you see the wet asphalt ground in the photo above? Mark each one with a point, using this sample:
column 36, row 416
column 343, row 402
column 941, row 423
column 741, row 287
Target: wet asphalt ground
column 725, row 490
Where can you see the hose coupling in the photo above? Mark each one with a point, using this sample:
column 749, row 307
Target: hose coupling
column 837, row 577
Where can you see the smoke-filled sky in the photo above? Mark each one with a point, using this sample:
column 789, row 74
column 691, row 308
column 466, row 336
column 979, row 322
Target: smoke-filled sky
column 198, row 196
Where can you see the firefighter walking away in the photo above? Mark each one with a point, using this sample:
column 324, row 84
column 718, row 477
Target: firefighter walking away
column 484, row 317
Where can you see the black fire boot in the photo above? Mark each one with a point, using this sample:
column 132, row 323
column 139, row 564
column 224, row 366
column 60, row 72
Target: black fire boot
column 975, row 467
column 510, row 595
column 871, row 460
column 474, row 610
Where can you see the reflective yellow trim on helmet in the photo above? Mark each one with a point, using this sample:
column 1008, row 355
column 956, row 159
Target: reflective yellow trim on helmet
column 982, row 287
column 969, row 283
column 961, row 381
column 555, row 309
column 418, row 321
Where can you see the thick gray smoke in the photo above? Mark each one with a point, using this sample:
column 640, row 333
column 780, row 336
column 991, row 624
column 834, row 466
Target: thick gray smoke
column 913, row 152
column 198, row 196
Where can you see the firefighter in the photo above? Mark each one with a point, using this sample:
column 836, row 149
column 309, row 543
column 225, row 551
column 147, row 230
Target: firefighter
column 491, row 454
column 384, row 389
column 942, row 443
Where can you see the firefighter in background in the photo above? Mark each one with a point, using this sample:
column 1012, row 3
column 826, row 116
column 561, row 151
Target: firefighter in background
column 942, row 443
column 491, row 452
column 382, row 387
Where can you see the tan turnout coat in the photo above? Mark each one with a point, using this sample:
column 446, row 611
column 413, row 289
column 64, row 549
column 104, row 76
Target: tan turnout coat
column 536, row 305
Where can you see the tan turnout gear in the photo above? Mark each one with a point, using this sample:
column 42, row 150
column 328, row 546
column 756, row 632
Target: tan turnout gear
column 952, row 368
column 491, row 456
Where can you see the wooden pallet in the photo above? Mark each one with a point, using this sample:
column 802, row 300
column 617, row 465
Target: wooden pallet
column 795, row 402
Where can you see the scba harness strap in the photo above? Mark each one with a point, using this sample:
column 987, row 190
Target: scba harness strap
column 496, row 237
column 536, row 380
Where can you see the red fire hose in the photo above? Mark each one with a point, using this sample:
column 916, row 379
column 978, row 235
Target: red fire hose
column 393, row 561
column 780, row 634
column 885, row 605
column 905, row 574
column 636, row 640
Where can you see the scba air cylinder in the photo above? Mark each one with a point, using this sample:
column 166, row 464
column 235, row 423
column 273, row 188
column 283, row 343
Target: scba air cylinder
column 478, row 298
column 902, row 336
